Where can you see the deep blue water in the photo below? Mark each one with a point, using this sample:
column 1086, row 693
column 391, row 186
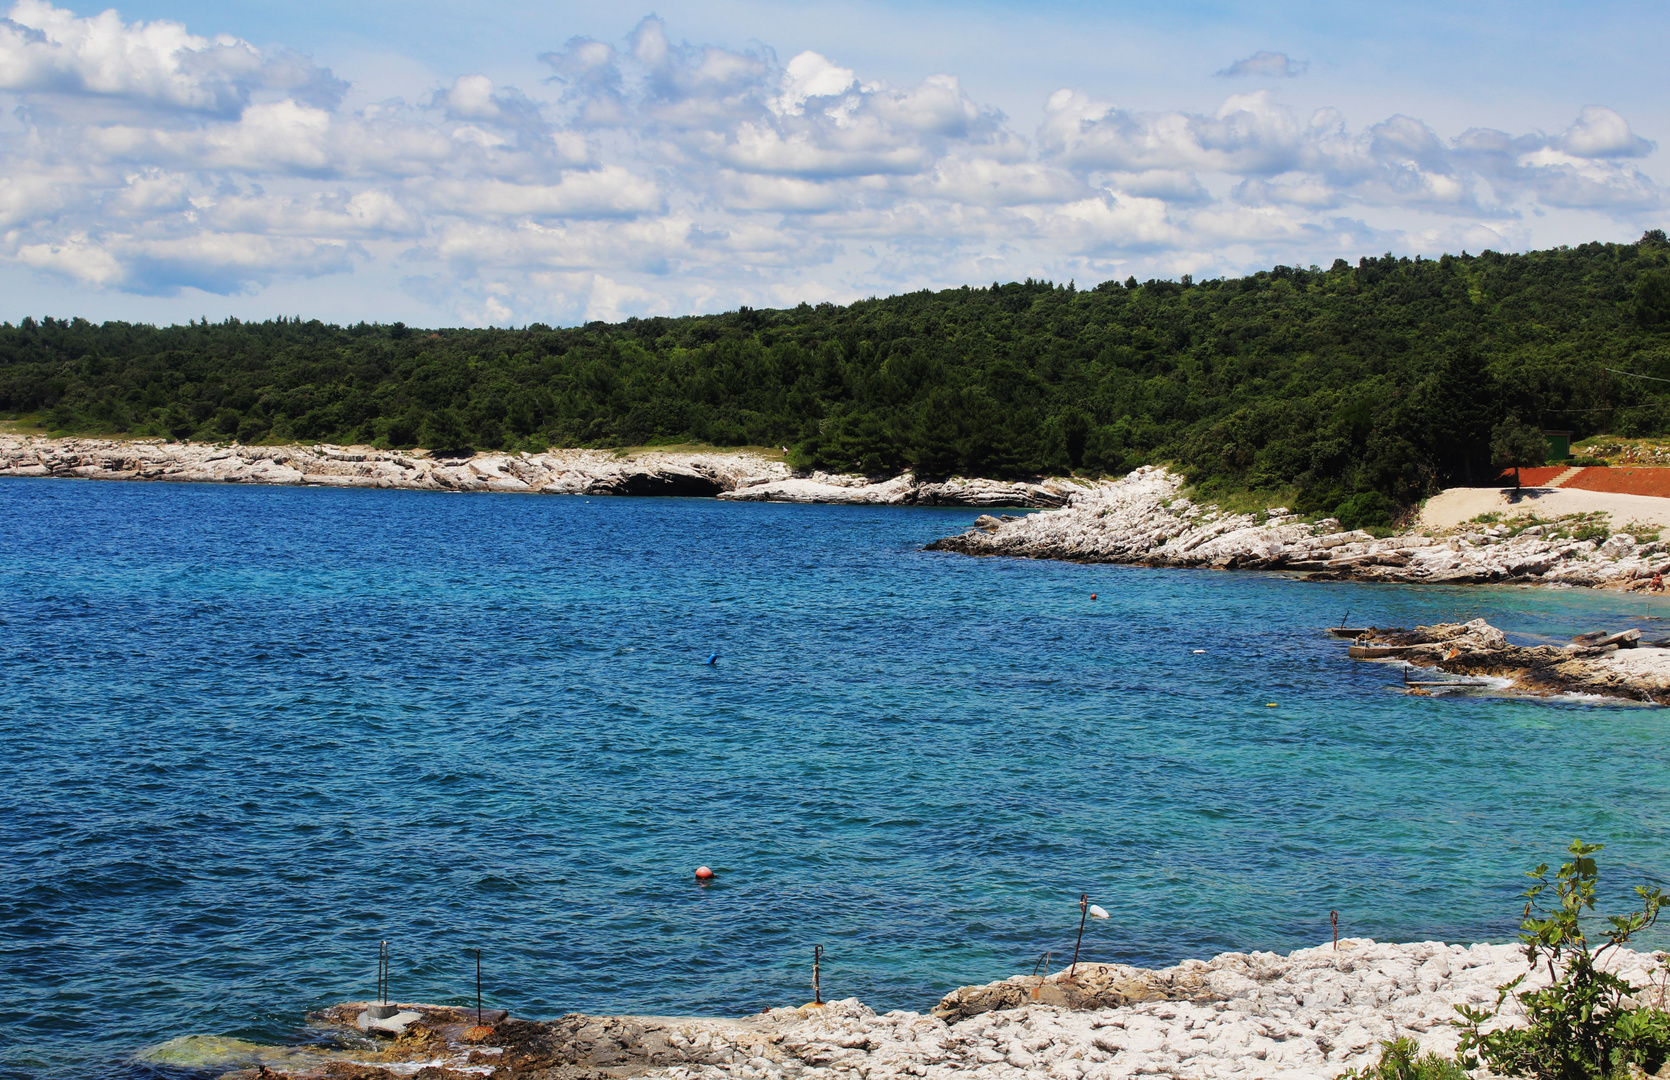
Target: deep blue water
column 250, row 732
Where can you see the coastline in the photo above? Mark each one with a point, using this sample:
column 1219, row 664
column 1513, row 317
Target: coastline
column 1141, row 519
column 1145, row 519
column 1310, row 1015
column 741, row 476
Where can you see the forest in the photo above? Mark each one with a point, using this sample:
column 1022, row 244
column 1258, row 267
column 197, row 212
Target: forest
column 1380, row 381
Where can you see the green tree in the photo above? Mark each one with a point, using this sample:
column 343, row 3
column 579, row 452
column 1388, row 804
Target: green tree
column 1652, row 298
column 1386, row 376
column 1515, row 444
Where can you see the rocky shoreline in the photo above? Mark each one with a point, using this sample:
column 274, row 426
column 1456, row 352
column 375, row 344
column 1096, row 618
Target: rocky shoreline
column 1618, row 664
column 1141, row 519
column 1309, row 1015
column 1145, row 519
column 741, row 476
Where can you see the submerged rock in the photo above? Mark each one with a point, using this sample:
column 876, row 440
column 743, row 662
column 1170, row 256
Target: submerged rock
column 225, row 1053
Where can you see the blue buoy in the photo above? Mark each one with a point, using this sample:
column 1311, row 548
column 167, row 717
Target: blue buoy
column 712, row 660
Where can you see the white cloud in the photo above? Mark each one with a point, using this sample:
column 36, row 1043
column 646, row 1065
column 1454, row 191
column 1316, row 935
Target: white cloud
column 1272, row 65
column 74, row 256
column 46, row 49
column 656, row 175
column 1601, row 133
column 607, row 192
column 471, row 98
column 370, row 213
column 1249, row 134
column 811, row 75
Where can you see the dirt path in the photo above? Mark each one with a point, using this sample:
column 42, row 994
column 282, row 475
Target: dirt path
column 1457, row 506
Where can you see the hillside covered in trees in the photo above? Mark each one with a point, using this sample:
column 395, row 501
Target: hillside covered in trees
column 1382, row 377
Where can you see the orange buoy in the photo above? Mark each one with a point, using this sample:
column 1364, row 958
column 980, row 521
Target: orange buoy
column 703, row 874
column 1092, row 596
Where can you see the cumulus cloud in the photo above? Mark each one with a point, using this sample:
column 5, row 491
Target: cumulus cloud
column 650, row 174
column 607, row 192
column 49, row 50
column 1601, row 133
column 1270, row 65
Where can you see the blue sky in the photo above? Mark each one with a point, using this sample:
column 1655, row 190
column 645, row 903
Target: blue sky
column 442, row 164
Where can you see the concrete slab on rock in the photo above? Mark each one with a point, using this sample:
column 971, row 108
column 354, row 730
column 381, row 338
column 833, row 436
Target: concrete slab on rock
column 387, row 1025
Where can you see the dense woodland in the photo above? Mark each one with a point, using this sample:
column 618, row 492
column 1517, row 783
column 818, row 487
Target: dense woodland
column 1384, row 377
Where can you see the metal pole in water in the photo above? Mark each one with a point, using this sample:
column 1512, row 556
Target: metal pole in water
column 1084, row 913
column 1333, row 917
column 478, row 987
column 817, row 988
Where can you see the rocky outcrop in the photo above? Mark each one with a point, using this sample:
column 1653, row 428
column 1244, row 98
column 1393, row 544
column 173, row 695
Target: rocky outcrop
column 1084, row 986
column 1309, row 1015
column 1146, row 519
column 908, row 490
column 740, row 475
column 1616, row 664
column 568, row 472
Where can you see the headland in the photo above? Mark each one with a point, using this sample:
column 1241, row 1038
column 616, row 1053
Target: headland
column 1146, row 519
column 744, row 475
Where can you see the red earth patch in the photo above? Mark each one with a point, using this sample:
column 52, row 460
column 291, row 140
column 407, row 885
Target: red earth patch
column 1628, row 480
column 1536, row 477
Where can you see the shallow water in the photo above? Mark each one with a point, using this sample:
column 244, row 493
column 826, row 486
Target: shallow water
column 254, row 731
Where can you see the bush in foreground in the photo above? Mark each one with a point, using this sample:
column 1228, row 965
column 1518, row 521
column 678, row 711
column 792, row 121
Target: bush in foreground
column 1587, row 1023
column 1401, row 1059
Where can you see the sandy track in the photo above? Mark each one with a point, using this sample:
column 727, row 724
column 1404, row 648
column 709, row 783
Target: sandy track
column 1456, row 506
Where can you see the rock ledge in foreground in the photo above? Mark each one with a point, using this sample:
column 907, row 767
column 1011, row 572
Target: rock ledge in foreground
column 1309, row 1015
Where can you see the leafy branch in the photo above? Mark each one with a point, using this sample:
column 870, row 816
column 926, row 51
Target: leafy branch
column 1586, row 1024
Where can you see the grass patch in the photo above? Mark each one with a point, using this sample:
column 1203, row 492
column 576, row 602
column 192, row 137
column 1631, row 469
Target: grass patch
column 1232, row 500
column 1616, row 450
column 1595, row 525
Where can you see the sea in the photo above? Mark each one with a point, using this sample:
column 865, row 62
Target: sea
column 251, row 733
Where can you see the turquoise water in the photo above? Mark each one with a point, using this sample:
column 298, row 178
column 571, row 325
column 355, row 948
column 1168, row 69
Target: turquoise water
column 253, row 731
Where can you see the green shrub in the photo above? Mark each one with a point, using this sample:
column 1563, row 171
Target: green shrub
column 1400, row 1059
column 1582, row 461
column 1585, row 1025
column 1366, row 509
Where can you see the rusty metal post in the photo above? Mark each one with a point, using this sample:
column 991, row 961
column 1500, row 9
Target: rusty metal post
column 1084, row 913
column 1333, row 917
column 817, row 988
column 478, row 987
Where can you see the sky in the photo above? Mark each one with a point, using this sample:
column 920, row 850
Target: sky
column 450, row 164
